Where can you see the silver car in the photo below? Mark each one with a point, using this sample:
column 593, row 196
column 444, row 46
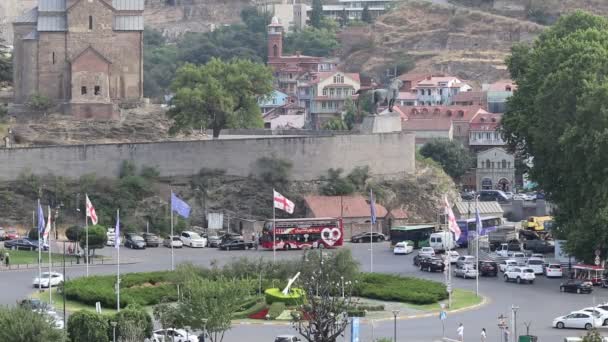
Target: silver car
column 467, row 271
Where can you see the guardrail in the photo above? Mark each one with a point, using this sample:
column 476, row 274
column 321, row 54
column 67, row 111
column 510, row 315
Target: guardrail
column 71, row 262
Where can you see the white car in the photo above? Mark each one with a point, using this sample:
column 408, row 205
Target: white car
column 465, row 259
column 403, row 248
column 520, row 275
column 452, row 256
column 520, row 258
column 426, row 251
column 577, row 319
column 173, row 335
column 536, row 265
column 538, row 256
column 599, row 313
column 286, row 338
column 553, row 270
column 505, row 264
column 192, row 239
column 48, row 279
column 466, row 271
column 174, row 242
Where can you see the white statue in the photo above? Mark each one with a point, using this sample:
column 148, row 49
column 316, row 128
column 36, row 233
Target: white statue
column 286, row 289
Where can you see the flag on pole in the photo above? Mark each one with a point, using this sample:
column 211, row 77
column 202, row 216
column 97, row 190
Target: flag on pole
column 41, row 223
column 117, row 232
column 281, row 202
column 47, row 229
column 452, row 225
column 478, row 224
column 179, row 206
column 372, row 206
column 90, row 210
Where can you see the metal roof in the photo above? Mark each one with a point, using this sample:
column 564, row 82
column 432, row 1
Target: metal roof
column 31, row 36
column 128, row 5
column 29, row 17
column 51, row 5
column 52, row 23
column 414, row 227
column 489, row 207
column 129, row 23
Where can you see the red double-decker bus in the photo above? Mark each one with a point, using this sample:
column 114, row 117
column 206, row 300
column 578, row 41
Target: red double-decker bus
column 327, row 232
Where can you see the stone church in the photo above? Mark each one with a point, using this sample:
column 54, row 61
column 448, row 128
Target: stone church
column 86, row 55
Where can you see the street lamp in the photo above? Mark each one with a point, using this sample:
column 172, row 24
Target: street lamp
column 501, row 325
column 514, row 309
column 395, row 314
column 113, row 331
column 187, row 328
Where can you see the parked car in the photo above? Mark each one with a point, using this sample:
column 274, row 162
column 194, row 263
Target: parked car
column 452, row 256
column 135, row 241
column 493, row 196
column 286, row 338
column 192, row 239
column 174, row 240
column 536, row 265
column 366, row 237
column 466, row 271
column 173, row 335
column 213, row 240
column 48, row 279
column 226, row 236
column 235, row 244
column 488, row 268
column 24, row 244
column 576, row 286
column 442, row 241
column 539, row 246
column 520, row 257
column 404, row 247
column 599, row 313
column 520, row 275
column 505, row 264
column 11, row 234
column 465, row 259
column 553, row 270
column 432, row 264
column 577, row 319
column 537, row 256
column 427, row 251
column 418, row 258
column 152, row 240
column 33, row 304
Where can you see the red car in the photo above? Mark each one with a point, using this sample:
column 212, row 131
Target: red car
column 11, row 234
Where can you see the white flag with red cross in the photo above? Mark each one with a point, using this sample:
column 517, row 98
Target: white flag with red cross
column 281, row 202
column 90, row 210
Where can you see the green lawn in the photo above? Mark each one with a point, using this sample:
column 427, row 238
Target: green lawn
column 460, row 299
column 31, row 257
column 73, row 306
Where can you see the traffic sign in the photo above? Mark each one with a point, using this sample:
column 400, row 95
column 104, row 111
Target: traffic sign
column 443, row 315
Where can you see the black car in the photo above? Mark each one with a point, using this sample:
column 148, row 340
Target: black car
column 488, row 268
column 235, row 244
column 418, row 259
column 25, row 244
column 135, row 241
column 576, row 286
column 493, row 196
column 432, row 264
column 152, row 240
column 366, row 237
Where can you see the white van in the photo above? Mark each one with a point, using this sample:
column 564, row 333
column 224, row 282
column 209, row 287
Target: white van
column 442, row 241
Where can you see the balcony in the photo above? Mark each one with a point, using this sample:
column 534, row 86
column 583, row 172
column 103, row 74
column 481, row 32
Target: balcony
column 486, row 142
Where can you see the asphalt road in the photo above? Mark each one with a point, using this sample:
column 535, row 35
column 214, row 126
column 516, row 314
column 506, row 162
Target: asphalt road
column 539, row 303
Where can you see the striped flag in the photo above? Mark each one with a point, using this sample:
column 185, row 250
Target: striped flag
column 452, row 225
column 478, row 224
column 90, row 210
column 372, row 206
column 117, row 231
column 41, row 223
column 47, row 229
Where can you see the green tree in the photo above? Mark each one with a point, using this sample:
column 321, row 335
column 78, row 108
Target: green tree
column 209, row 304
column 316, row 15
column 455, row 159
column 134, row 324
column 274, row 171
column 153, row 37
column 366, row 16
column 219, row 95
column 344, row 18
column 25, row 325
column 558, row 117
column 312, row 41
column 336, row 185
column 335, row 124
column 39, row 102
column 6, row 64
column 73, row 233
column 255, row 20
column 593, row 336
column 97, row 238
column 85, row 326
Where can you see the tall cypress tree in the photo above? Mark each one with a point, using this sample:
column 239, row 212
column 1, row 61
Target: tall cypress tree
column 317, row 13
column 366, row 15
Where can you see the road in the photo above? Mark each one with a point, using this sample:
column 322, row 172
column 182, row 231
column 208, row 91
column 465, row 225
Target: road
column 539, row 303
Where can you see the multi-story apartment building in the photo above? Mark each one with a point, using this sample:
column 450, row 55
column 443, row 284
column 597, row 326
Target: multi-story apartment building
column 438, row 91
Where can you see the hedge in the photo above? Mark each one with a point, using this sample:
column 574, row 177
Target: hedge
column 257, row 307
column 276, row 309
column 400, row 289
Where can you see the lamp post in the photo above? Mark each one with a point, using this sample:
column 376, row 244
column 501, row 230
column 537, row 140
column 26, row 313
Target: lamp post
column 187, row 328
column 113, row 331
column 514, row 309
column 501, row 327
column 204, row 328
column 395, row 314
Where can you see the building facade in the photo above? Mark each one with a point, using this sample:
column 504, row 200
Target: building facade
column 84, row 54
column 497, row 95
column 438, row 91
column 495, row 170
column 483, row 132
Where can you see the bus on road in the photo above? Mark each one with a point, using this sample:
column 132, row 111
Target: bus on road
column 327, row 232
column 418, row 234
column 468, row 228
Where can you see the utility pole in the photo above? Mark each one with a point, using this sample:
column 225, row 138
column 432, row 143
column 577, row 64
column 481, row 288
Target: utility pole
column 514, row 309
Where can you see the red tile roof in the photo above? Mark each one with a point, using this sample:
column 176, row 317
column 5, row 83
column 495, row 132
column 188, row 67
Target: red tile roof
column 435, row 80
column 503, row 85
column 456, row 113
column 485, row 122
column 476, row 97
column 345, row 206
column 323, row 75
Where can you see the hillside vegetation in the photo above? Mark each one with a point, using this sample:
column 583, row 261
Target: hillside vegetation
column 461, row 41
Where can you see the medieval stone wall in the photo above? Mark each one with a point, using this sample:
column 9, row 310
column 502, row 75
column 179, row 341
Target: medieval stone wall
column 388, row 154
column 52, row 65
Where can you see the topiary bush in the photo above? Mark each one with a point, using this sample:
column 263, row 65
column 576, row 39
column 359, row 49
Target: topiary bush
column 400, row 289
column 294, row 297
column 276, row 309
column 85, row 326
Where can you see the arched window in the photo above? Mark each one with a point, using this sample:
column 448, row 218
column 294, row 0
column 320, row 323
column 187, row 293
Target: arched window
column 504, row 164
column 275, row 51
column 487, row 163
column 90, row 22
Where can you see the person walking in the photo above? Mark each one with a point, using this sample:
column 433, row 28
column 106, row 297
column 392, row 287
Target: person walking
column 483, row 335
column 7, row 261
column 460, row 332
column 506, row 334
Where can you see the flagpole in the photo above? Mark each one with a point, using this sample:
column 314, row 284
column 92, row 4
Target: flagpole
column 478, row 229
column 371, row 233
column 274, row 230
column 86, row 228
column 117, row 243
column 172, row 255
column 39, row 254
column 50, row 261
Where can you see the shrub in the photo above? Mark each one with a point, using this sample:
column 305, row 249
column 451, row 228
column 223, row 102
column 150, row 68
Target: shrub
column 39, row 102
column 274, row 295
column 85, row 326
column 355, row 313
column 276, row 309
column 134, row 324
column 400, row 289
column 252, row 311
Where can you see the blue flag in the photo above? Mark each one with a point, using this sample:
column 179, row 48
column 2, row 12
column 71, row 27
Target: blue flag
column 179, row 206
column 372, row 206
column 478, row 224
column 41, row 222
column 117, row 231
